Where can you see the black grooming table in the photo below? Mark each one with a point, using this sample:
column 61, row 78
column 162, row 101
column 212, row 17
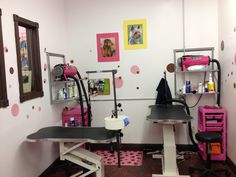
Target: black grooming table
column 67, row 134
column 168, row 114
column 70, row 141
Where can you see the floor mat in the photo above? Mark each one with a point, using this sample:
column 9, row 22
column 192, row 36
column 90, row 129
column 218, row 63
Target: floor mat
column 128, row 158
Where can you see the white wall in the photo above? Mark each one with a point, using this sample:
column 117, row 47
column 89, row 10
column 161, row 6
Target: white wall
column 20, row 158
column 164, row 33
column 227, row 33
column 72, row 31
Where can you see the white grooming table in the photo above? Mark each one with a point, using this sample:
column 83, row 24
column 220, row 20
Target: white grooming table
column 168, row 115
column 70, row 141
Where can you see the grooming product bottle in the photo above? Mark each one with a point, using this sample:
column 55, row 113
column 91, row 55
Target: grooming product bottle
column 188, row 86
column 72, row 121
column 60, row 94
column 75, row 90
column 184, row 89
column 211, row 84
column 65, row 93
column 70, row 91
column 200, row 90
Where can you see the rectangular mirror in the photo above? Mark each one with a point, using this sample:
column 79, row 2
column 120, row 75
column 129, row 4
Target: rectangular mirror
column 28, row 58
column 25, row 60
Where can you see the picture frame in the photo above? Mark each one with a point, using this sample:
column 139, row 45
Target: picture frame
column 135, row 34
column 108, row 47
column 99, row 86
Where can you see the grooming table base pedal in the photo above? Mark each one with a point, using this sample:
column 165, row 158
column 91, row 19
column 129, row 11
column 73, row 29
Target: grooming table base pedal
column 160, row 156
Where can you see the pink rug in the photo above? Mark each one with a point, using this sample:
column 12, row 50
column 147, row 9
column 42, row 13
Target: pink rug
column 128, row 158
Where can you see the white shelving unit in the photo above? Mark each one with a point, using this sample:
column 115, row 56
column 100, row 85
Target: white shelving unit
column 55, row 85
column 197, row 76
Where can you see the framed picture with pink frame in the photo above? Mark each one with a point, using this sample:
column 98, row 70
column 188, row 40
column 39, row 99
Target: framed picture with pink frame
column 108, row 47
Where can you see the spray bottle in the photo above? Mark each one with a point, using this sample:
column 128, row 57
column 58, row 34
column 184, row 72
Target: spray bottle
column 211, row 84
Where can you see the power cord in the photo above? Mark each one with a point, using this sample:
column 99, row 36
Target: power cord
column 204, row 80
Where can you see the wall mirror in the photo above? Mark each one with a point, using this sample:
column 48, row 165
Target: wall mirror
column 3, row 89
column 28, row 58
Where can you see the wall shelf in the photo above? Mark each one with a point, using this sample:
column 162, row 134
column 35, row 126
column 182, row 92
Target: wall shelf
column 64, row 100
column 62, row 82
column 197, row 71
column 56, row 85
column 195, row 76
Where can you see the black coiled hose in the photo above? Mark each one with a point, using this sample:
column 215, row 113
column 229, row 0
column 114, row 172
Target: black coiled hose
column 86, row 99
column 81, row 99
column 189, row 123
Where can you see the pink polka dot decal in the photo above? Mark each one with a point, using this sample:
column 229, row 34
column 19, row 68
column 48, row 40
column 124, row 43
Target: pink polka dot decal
column 5, row 49
column 15, row 110
column 9, row 86
column 135, row 69
column 27, row 116
column 45, row 67
column 118, row 82
column 234, row 29
column 39, row 109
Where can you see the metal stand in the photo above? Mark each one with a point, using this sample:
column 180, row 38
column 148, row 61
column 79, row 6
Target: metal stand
column 91, row 161
column 115, row 111
column 209, row 50
column 169, row 164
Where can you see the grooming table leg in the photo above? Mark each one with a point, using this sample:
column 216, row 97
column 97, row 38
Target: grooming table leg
column 118, row 148
column 77, row 174
column 83, row 158
column 169, row 164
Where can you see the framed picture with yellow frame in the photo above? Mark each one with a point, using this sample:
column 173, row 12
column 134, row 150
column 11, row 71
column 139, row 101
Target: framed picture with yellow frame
column 135, row 34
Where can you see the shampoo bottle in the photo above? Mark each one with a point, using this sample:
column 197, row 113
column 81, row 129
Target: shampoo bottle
column 211, row 84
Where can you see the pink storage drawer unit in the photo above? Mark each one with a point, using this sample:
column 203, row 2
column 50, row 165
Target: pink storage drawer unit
column 75, row 114
column 212, row 119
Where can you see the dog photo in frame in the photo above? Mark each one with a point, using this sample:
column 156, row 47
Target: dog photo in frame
column 108, row 47
column 135, row 36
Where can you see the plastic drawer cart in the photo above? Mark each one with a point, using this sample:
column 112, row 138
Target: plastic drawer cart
column 213, row 119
